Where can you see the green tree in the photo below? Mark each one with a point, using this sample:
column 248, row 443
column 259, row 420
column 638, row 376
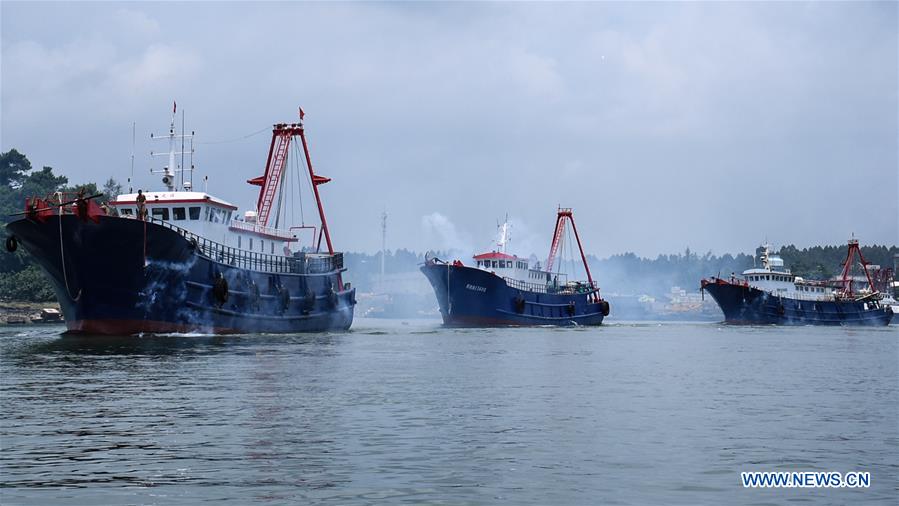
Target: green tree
column 13, row 166
column 111, row 190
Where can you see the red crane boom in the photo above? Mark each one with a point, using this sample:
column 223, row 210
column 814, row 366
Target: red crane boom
column 282, row 135
column 847, row 267
column 562, row 217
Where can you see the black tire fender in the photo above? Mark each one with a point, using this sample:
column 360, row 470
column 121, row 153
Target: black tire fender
column 519, row 304
column 12, row 244
column 332, row 297
column 604, row 307
column 220, row 290
column 285, row 298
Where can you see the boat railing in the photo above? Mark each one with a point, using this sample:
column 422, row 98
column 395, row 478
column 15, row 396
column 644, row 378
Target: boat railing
column 299, row 263
column 573, row 287
column 259, row 229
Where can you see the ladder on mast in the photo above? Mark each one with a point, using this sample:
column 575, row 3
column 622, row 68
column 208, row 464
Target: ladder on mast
column 275, row 167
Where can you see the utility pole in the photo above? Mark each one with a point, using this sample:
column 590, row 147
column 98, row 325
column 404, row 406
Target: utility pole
column 383, row 248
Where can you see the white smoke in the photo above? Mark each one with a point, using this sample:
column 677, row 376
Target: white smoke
column 441, row 235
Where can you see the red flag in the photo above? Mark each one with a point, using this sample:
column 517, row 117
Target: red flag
column 302, row 114
column 174, row 107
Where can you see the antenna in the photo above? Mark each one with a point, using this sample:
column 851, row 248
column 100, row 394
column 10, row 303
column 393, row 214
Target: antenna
column 191, row 158
column 504, row 235
column 182, row 149
column 168, row 172
column 133, row 130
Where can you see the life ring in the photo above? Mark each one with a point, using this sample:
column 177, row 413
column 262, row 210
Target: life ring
column 220, row 290
column 604, row 307
column 12, row 244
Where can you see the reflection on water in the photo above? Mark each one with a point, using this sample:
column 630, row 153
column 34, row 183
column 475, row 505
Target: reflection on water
column 389, row 413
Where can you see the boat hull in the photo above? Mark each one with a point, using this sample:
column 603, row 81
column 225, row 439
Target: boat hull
column 748, row 305
column 470, row 297
column 123, row 276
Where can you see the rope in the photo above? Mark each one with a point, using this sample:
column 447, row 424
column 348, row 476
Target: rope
column 145, row 243
column 449, row 300
column 302, row 161
column 62, row 260
column 226, row 141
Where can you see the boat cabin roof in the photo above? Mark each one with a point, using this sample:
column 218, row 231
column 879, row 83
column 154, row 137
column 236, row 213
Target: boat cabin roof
column 178, row 197
column 495, row 255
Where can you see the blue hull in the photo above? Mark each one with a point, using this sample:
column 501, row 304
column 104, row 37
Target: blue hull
column 745, row 304
column 470, row 297
column 123, row 276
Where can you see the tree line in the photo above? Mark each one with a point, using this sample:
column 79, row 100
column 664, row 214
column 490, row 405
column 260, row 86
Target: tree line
column 625, row 273
column 20, row 277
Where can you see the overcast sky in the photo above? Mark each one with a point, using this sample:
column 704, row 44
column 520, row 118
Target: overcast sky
column 664, row 125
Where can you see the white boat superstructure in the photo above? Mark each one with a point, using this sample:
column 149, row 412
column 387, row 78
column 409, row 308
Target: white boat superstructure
column 510, row 266
column 216, row 219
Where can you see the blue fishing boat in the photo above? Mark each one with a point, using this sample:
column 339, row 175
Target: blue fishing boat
column 180, row 260
column 504, row 289
column 773, row 295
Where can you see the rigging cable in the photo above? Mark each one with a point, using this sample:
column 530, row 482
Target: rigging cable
column 62, row 257
column 237, row 139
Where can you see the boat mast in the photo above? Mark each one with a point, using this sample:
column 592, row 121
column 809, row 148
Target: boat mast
column 562, row 217
column 168, row 173
column 503, row 238
column 847, row 267
column 316, row 180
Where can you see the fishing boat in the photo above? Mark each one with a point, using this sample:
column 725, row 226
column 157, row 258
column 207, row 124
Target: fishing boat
column 502, row 289
column 180, row 260
column 773, row 295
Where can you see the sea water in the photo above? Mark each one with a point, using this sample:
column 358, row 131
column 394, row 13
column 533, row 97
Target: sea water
column 409, row 412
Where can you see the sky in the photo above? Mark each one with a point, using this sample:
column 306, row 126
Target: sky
column 713, row 126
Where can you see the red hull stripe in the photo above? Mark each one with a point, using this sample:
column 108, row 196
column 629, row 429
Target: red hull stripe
column 131, row 327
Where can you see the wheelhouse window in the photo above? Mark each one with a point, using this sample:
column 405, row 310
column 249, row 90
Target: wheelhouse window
column 178, row 213
column 194, row 212
column 126, row 211
column 161, row 213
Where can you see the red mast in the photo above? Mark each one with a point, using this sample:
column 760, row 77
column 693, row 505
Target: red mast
column 847, row 267
column 562, row 217
column 282, row 135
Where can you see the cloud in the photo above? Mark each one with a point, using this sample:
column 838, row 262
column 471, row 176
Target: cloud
column 160, row 66
column 663, row 125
